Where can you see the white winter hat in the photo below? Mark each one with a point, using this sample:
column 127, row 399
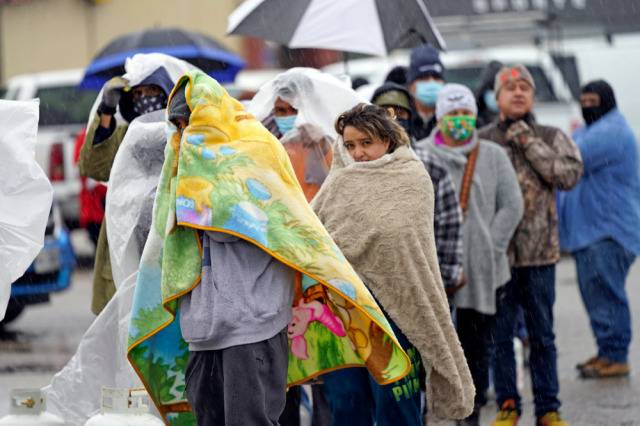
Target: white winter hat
column 455, row 96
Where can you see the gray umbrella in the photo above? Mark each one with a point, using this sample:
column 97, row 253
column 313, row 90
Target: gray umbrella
column 372, row 27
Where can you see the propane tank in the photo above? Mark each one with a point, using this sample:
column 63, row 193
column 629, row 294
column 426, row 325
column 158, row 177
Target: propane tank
column 124, row 407
column 27, row 408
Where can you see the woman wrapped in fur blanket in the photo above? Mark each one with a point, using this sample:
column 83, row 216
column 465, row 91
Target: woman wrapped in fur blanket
column 377, row 204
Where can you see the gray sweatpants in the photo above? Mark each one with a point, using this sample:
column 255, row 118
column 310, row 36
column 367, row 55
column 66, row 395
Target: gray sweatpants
column 241, row 385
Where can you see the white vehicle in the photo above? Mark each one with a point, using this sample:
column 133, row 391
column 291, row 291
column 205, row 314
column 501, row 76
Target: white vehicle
column 555, row 105
column 64, row 109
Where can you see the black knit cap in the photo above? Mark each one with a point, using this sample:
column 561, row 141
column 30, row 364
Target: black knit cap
column 605, row 91
column 607, row 100
column 398, row 75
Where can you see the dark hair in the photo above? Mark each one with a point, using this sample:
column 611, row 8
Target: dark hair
column 375, row 121
column 398, row 75
column 359, row 82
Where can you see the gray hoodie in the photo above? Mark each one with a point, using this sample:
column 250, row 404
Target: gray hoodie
column 244, row 297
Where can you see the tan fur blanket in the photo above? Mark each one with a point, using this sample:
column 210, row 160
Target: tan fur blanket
column 380, row 214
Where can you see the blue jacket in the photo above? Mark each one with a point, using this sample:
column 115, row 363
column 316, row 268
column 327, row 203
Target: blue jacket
column 606, row 201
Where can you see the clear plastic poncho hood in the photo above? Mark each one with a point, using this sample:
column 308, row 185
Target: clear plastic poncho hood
column 318, row 97
column 138, row 68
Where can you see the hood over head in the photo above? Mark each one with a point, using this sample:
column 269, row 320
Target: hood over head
column 178, row 107
column 607, row 100
column 159, row 77
column 318, row 97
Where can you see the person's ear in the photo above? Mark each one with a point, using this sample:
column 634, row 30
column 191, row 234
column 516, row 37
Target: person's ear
column 391, row 113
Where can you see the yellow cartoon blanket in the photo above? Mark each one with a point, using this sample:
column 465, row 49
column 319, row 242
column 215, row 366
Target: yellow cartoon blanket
column 227, row 173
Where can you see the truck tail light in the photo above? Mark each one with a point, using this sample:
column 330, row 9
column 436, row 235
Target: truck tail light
column 56, row 162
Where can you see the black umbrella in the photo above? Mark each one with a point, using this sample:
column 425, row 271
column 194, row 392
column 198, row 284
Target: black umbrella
column 198, row 49
column 372, row 27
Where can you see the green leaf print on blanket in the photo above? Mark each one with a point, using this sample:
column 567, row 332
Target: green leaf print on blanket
column 326, row 350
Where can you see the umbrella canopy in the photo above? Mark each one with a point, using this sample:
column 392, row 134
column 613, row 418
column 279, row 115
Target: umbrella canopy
column 198, row 49
column 373, row 27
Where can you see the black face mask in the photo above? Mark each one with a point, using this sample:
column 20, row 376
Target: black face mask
column 607, row 101
column 147, row 104
column 406, row 125
column 592, row 114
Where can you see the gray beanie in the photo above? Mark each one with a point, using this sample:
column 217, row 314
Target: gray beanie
column 455, row 96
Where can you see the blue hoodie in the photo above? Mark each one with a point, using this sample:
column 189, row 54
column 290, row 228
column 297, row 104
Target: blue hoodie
column 159, row 77
column 606, row 201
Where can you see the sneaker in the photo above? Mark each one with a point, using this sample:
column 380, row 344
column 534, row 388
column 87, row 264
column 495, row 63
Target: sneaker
column 508, row 414
column 605, row 369
column 588, row 363
column 552, row 418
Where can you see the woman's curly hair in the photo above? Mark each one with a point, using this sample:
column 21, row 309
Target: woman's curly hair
column 375, row 121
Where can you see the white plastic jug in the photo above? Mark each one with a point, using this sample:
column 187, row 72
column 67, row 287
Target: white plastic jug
column 124, row 407
column 28, row 409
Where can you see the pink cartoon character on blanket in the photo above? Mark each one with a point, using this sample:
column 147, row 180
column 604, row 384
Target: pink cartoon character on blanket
column 303, row 315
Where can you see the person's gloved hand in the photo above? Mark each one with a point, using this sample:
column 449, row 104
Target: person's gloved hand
column 111, row 94
column 519, row 132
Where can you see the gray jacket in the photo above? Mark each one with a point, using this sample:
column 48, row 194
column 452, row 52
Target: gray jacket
column 495, row 208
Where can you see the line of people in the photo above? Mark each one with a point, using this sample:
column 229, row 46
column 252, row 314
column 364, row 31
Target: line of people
column 425, row 205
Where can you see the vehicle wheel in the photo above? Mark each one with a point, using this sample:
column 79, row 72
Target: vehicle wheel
column 14, row 309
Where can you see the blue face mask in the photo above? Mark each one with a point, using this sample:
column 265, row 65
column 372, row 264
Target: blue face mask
column 489, row 98
column 427, row 92
column 285, row 123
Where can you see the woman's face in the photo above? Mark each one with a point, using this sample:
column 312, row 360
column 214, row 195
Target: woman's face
column 363, row 147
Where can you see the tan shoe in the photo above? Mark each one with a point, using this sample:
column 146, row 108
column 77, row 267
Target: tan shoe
column 551, row 419
column 605, row 369
column 588, row 363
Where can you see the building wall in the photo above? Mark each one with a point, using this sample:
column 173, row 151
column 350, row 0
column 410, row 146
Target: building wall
column 43, row 35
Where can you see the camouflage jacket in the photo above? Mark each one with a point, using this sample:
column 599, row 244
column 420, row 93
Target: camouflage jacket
column 545, row 159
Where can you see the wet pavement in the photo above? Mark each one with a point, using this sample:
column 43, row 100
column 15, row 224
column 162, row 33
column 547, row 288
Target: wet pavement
column 45, row 337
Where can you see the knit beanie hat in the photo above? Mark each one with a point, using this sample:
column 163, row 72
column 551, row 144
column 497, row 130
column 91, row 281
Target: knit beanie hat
column 455, row 96
column 513, row 73
column 425, row 61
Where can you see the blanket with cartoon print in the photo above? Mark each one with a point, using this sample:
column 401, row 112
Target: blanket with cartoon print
column 228, row 174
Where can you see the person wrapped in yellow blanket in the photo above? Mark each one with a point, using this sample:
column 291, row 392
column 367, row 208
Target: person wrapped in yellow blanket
column 235, row 254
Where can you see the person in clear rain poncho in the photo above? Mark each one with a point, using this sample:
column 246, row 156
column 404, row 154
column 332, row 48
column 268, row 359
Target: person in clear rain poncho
column 299, row 107
column 101, row 356
column 143, row 89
